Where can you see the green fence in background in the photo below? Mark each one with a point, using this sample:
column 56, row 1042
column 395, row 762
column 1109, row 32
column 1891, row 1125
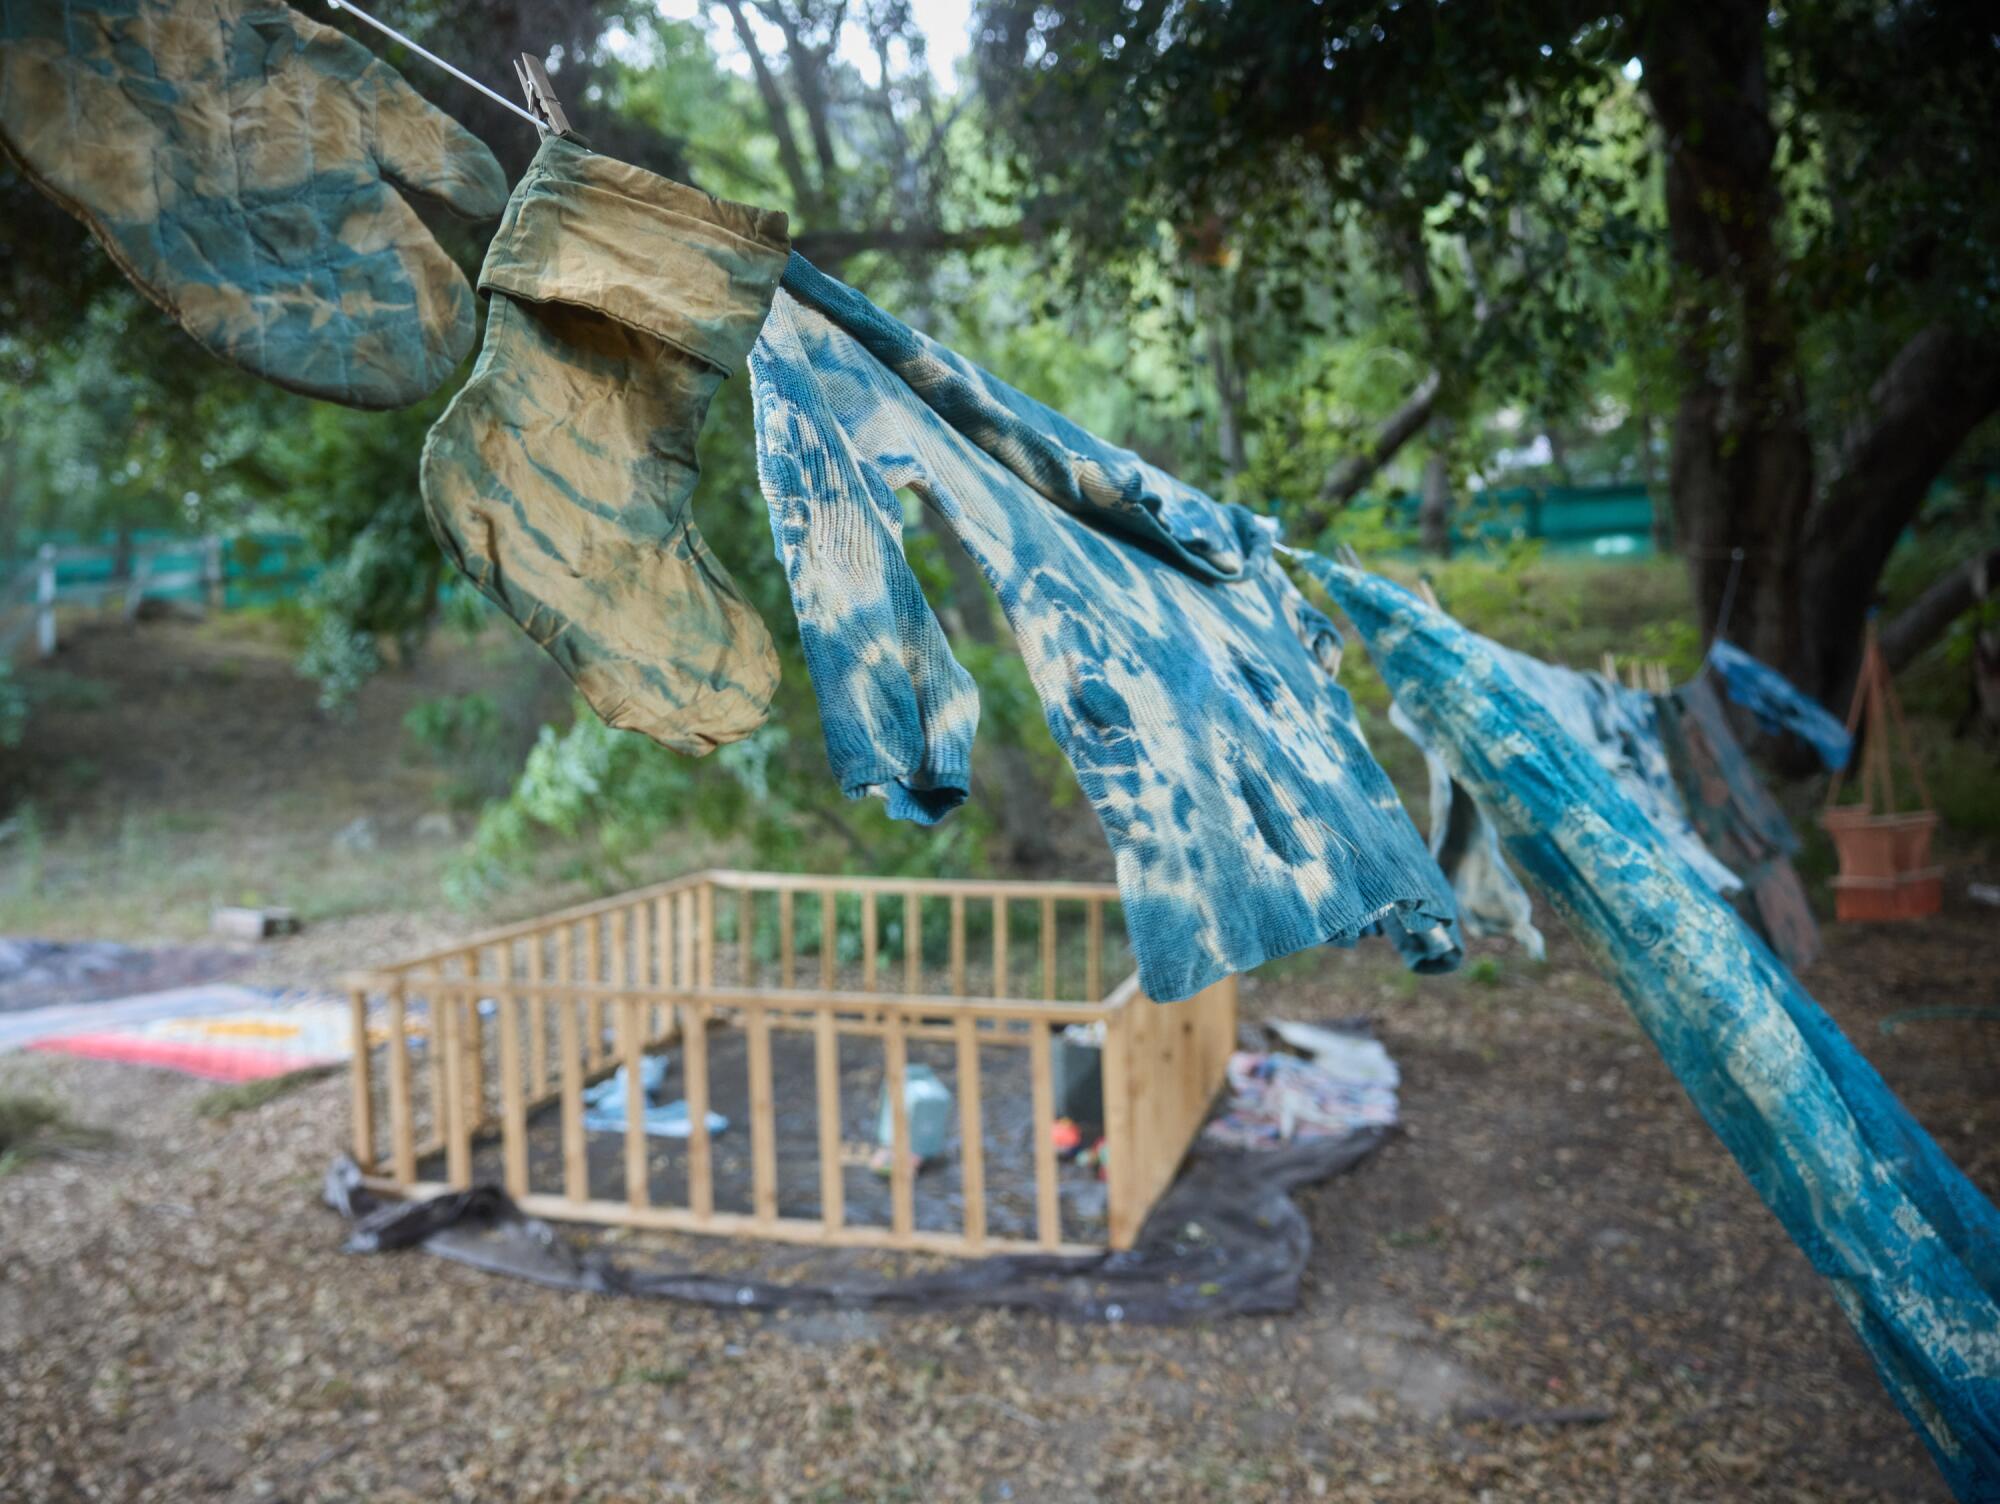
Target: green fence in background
column 1604, row 522
column 218, row 574
column 252, row 569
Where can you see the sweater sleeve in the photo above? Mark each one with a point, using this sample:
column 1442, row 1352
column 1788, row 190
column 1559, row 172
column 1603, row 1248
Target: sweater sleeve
column 896, row 708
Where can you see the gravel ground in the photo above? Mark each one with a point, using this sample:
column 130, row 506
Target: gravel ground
column 1554, row 1285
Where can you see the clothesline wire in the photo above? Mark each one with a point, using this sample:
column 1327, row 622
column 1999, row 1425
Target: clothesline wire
column 1729, row 593
column 431, row 57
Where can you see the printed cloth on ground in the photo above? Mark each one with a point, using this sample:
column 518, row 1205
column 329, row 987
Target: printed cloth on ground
column 560, row 478
column 1909, row 1246
column 1778, row 704
column 1186, row 679
column 247, row 169
column 1279, row 1099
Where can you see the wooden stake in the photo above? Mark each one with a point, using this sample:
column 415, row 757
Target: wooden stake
column 457, row 1124
column 829, row 938
column 576, row 1161
column 826, row 1073
column 902, row 1195
column 958, row 945
column 402, row 1129
column 538, row 1024
column 638, row 1190
column 868, row 942
column 763, row 1129
column 1049, row 949
column 788, row 969
column 513, row 1111
column 971, row 1130
column 593, row 971
column 999, row 947
column 1048, row 1210
column 1093, row 953
column 694, row 1060
column 705, row 929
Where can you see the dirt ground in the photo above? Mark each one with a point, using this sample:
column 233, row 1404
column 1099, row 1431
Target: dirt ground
column 1554, row 1284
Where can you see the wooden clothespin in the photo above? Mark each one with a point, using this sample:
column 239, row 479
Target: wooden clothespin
column 541, row 94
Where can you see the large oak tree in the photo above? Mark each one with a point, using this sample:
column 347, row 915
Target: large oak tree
column 1811, row 182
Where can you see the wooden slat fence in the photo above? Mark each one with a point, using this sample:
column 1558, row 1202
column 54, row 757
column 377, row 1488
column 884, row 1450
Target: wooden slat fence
column 477, row 1039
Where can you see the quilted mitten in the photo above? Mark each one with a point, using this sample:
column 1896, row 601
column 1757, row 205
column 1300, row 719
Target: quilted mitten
column 559, row 478
column 246, row 168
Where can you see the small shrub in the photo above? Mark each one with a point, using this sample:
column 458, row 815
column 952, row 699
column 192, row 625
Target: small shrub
column 469, row 735
column 227, row 1101
column 1483, row 971
column 31, row 1126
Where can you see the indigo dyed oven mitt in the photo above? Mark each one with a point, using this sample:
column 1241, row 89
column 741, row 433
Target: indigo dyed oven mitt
column 559, row 479
column 246, row 168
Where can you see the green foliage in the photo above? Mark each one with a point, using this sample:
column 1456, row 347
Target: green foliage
column 1484, row 971
column 470, row 737
column 32, row 1126
column 245, row 1096
column 22, row 1117
column 347, row 480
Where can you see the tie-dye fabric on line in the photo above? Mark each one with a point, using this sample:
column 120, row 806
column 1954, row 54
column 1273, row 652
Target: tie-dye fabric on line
column 561, row 479
column 1778, row 704
column 1182, row 674
column 247, row 168
column 1907, row 1243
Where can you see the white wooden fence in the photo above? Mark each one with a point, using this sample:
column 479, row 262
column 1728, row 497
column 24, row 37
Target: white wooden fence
column 28, row 601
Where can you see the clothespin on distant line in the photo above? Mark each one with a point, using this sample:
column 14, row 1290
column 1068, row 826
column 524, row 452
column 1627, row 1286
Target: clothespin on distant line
column 544, row 111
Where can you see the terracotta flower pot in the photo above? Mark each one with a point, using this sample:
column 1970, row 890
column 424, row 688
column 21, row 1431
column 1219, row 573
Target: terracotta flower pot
column 1885, row 870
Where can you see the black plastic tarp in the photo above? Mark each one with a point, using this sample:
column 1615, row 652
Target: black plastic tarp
column 1226, row 1239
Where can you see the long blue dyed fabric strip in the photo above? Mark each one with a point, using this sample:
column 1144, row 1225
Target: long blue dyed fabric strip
column 1908, row 1244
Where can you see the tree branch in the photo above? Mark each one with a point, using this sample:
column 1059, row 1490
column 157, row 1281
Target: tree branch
column 829, row 247
column 789, row 156
column 1938, row 388
column 1394, row 431
column 1924, row 620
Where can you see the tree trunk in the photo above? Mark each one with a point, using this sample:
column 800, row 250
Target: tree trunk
column 1925, row 619
column 1229, row 395
column 1938, row 388
column 1742, row 478
column 1741, row 475
column 1434, row 506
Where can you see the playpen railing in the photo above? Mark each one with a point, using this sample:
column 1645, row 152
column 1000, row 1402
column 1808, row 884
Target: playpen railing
column 571, row 997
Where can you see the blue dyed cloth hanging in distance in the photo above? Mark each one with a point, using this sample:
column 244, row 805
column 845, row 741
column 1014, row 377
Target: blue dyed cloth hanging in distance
column 1491, row 900
column 1778, row 704
column 1184, row 676
column 1738, row 819
column 1620, row 728
column 1909, row 1246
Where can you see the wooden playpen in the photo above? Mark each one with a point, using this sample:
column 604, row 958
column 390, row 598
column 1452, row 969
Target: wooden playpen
column 487, row 1049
